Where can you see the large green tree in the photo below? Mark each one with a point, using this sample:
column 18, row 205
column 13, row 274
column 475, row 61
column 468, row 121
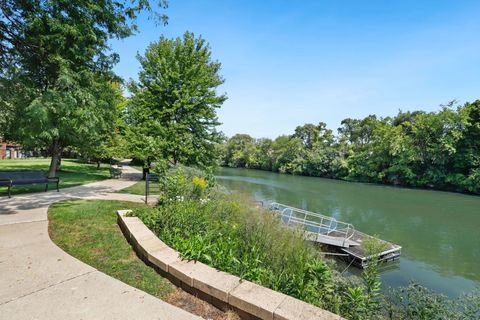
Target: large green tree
column 55, row 65
column 172, row 114
column 110, row 143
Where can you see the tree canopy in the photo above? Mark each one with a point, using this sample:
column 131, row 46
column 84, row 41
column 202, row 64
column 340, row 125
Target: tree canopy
column 55, row 69
column 433, row 150
column 172, row 112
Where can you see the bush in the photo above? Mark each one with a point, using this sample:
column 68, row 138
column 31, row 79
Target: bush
column 417, row 302
column 182, row 183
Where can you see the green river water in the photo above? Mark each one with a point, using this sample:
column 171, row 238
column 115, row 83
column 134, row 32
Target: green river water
column 439, row 231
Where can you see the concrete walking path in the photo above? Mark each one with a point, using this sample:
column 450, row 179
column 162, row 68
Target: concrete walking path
column 38, row 280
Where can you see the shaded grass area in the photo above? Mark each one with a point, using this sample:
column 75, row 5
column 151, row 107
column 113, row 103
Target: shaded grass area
column 73, row 173
column 88, row 231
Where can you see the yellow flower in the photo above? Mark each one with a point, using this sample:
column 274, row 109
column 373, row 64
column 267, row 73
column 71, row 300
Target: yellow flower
column 200, row 182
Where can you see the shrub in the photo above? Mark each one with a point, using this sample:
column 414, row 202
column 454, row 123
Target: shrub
column 417, row 302
column 183, row 183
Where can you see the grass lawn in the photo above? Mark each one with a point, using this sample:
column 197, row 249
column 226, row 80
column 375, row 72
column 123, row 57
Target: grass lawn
column 139, row 188
column 88, row 230
column 73, row 173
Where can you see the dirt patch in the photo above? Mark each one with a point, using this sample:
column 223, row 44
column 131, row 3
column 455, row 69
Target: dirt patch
column 192, row 304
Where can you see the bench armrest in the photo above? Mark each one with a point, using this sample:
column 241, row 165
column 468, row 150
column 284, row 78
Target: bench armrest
column 54, row 178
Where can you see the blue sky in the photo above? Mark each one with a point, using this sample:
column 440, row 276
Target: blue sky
column 287, row 63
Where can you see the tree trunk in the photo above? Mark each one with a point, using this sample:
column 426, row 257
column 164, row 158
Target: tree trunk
column 56, row 160
column 98, row 164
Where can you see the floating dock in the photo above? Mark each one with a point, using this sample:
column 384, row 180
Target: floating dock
column 339, row 236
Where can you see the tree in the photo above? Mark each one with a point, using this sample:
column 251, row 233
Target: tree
column 6, row 109
column 265, row 154
column 436, row 149
column 173, row 107
column 55, row 61
column 464, row 164
column 109, row 143
column 237, row 152
column 434, row 140
column 308, row 134
column 288, row 153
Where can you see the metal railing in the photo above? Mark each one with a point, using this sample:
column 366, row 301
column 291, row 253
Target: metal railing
column 150, row 180
column 313, row 222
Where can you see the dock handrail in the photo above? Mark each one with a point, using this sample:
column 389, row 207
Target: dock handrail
column 313, row 222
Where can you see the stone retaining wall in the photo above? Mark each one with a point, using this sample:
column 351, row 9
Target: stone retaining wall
column 249, row 300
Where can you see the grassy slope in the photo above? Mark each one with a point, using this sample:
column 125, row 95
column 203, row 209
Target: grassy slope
column 73, row 173
column 88, row 231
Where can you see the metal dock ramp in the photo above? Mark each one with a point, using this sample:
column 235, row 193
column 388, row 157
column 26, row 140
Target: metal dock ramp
column 341, row 236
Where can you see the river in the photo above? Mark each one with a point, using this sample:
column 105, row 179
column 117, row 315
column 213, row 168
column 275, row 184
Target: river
column 439, row 231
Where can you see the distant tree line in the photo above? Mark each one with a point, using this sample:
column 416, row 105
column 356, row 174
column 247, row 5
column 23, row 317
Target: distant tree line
column 439, row 150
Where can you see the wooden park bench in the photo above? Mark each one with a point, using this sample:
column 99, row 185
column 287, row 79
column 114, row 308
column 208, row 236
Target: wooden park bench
column 10, row 179
column 115, row 172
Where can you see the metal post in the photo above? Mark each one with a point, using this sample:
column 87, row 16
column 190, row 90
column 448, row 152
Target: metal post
column 146, row 187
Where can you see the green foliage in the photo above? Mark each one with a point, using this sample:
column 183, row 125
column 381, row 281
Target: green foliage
column 172, row 114
column 229, row 233
column 185, row 183
column 55, row 69
column 110, row 143
column 366, row 302
column 221, row 230
column 88, row 231
column 371, row 276
column 415, row 302
column 430, row 150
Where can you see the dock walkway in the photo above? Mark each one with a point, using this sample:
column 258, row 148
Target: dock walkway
column 338, row 235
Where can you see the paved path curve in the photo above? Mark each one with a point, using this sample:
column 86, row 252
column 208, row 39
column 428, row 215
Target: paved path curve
column 38, row 280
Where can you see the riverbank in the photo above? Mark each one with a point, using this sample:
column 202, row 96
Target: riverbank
column 203, row 223
column 437, row 230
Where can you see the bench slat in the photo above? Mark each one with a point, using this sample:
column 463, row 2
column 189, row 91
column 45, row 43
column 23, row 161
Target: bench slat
column 26, row 177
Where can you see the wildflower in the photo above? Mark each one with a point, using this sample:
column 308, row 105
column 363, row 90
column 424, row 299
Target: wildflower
column 200, row 182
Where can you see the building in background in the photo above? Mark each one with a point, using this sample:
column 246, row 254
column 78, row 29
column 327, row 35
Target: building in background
column 9, row 150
